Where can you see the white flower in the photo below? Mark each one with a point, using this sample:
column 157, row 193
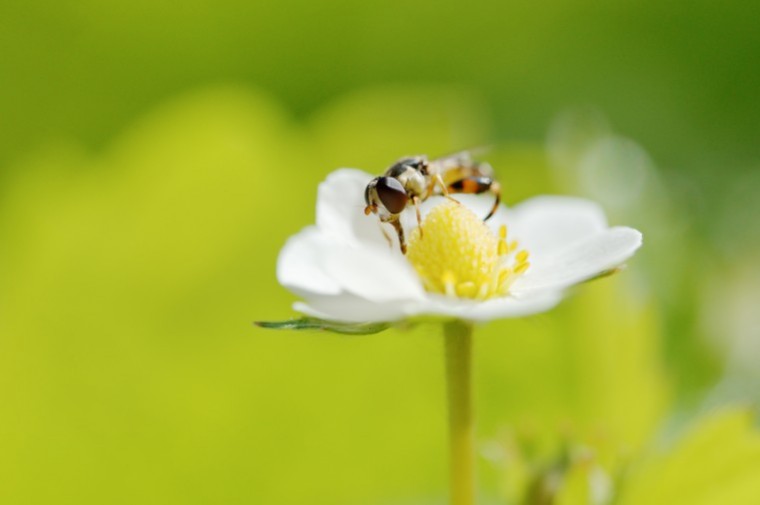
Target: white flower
column 345, row 270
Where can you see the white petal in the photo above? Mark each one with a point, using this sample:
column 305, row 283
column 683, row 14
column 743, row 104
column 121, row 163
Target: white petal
column 350, row 309
column 299, row 268
column 545, row 224
column 579, row 261
column 495, row 308
column 376, row 274
column 340, row 208
column 481, row 204
column 313, row 263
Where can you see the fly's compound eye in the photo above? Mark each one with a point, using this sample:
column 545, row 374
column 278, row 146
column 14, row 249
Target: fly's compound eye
column 392, row 193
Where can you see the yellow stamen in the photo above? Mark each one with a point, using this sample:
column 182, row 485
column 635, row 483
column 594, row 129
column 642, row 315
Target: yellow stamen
column 461, row 257
column 448, row 280
column 522, row 256
column 521, row 268
column 467, row 289
column 503, row 247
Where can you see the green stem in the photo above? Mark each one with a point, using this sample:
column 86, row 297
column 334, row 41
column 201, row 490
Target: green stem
column 458, row 336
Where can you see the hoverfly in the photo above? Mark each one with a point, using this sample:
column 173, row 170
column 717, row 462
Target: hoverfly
column 412, row 180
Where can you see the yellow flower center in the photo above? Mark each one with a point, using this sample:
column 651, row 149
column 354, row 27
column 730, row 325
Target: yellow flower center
column 456, row 254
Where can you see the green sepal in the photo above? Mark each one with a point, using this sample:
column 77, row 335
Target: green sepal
column 312, row 323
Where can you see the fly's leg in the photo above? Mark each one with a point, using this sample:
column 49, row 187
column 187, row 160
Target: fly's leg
column 496, row 190
column 416, row 201
column 476, row 185
column 385, row 234
column 400, row 231
column 437, row 179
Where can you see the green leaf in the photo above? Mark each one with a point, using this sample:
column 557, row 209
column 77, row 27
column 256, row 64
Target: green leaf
column 310, row 323
column 717, row 463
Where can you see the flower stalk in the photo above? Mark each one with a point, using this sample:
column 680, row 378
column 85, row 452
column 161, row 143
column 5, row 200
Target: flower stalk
column 458, row 343
column 465, row 270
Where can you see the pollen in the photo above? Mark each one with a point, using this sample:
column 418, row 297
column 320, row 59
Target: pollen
column 459, row 256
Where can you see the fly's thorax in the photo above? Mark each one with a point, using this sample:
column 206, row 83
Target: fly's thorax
column 411, row 173
column 414, row 182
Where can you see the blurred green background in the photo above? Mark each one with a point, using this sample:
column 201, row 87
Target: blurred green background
column 155, row 156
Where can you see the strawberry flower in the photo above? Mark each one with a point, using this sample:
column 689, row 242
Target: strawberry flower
column 353, row 277
column 520, row 262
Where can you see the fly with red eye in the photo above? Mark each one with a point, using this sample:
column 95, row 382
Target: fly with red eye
column 414, row 179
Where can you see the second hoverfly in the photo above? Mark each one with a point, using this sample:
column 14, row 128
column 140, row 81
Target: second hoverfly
column 412, row 180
